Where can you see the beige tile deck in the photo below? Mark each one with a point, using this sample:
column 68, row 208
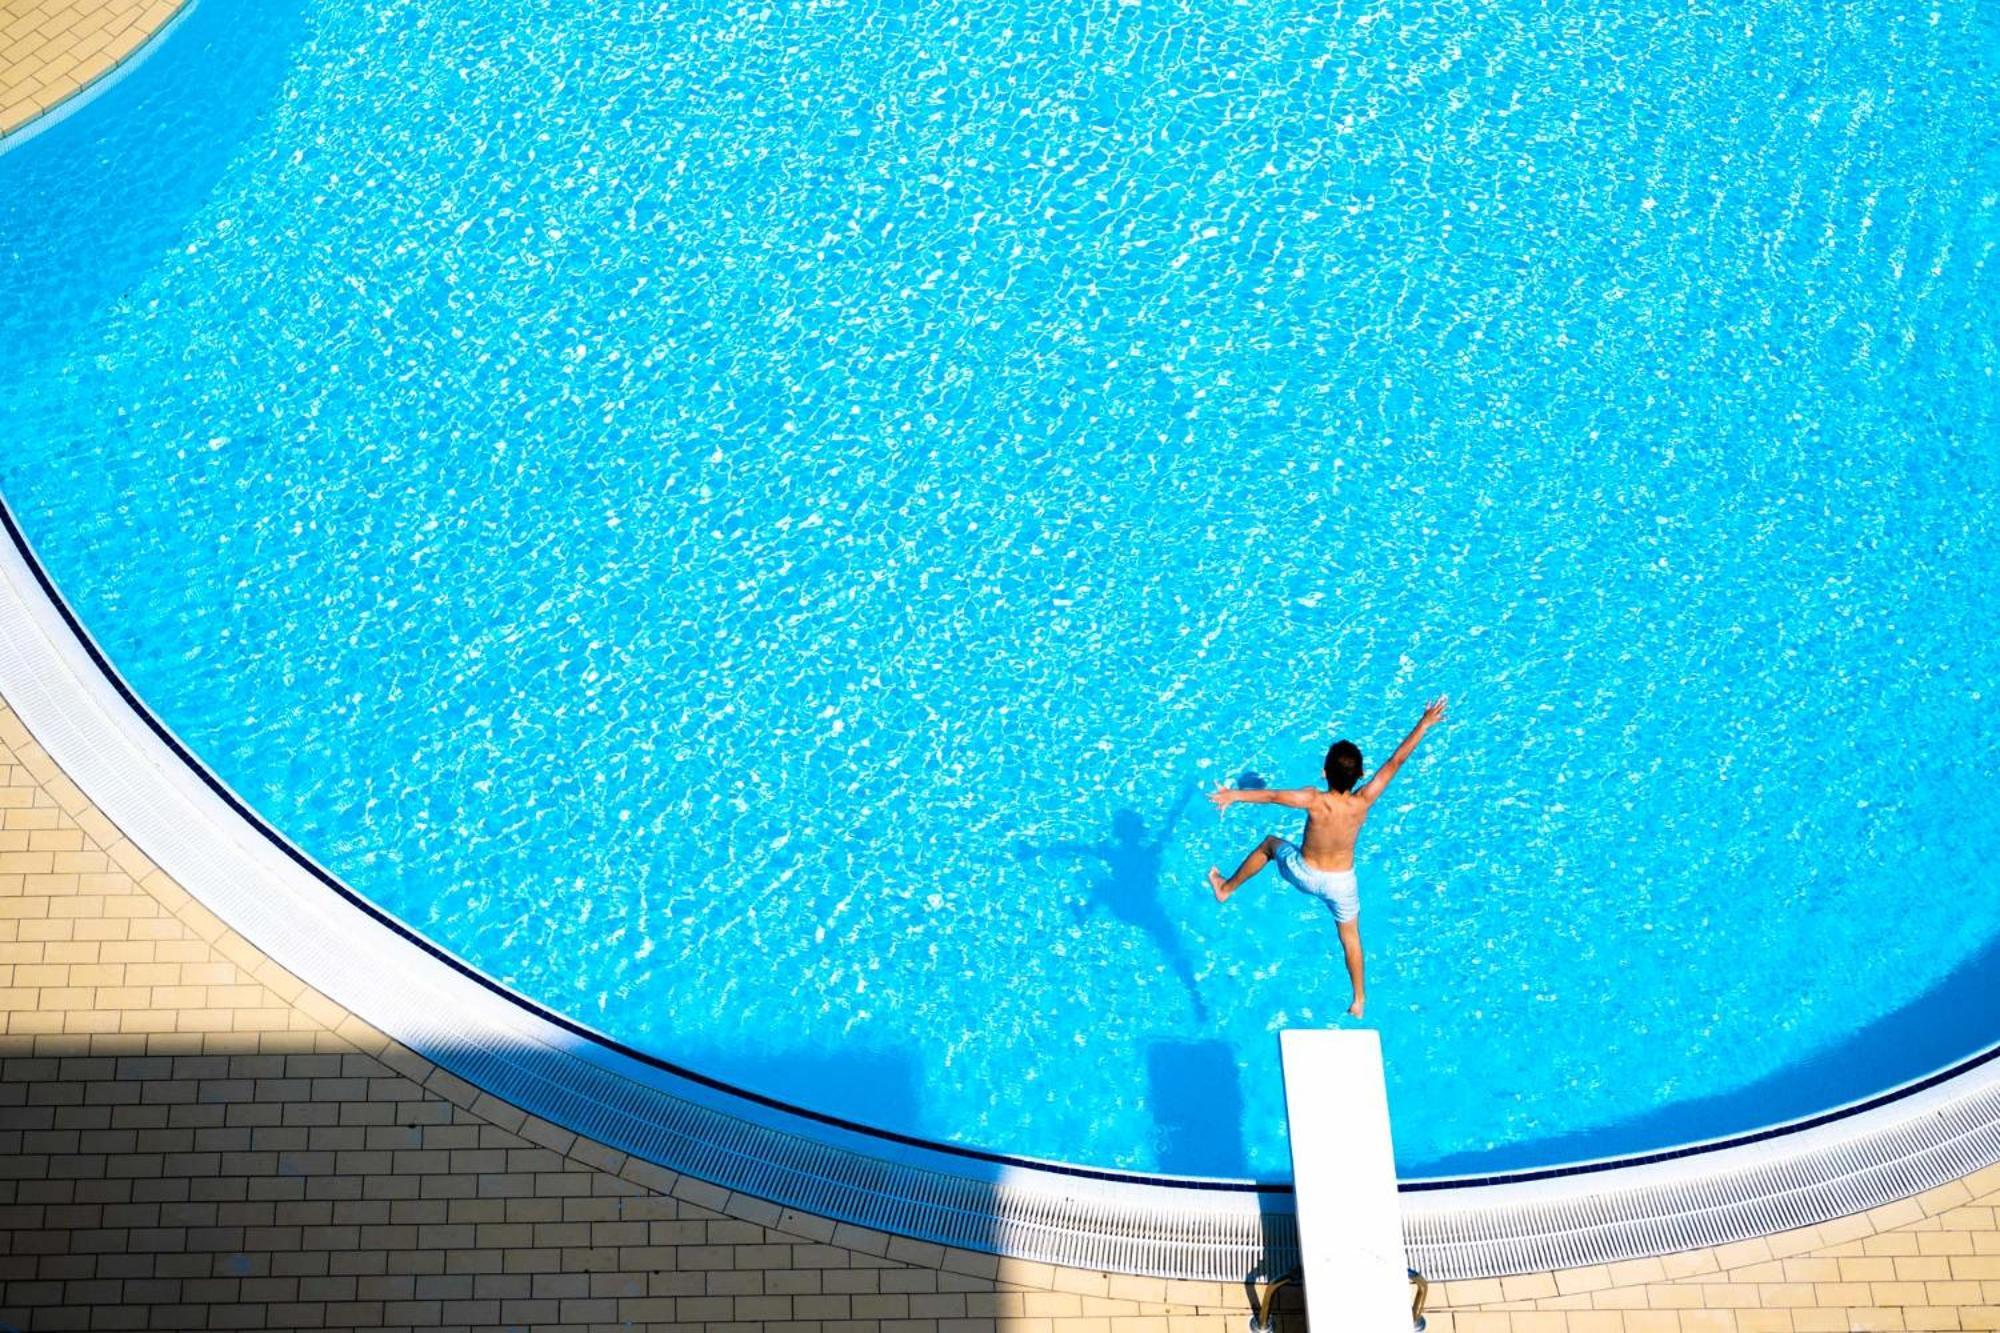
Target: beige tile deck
column 190, row 1138
column 52, row 49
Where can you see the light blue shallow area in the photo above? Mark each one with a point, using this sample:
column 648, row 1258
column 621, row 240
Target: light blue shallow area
column 754, row 524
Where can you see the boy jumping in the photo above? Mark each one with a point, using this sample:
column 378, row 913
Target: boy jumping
column 1324, row 868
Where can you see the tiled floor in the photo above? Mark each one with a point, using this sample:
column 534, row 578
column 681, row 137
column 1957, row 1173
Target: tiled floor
column 50, row 49
column 192, row 1139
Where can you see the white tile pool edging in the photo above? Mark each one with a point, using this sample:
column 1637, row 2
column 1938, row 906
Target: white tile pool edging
column 1701, row 1197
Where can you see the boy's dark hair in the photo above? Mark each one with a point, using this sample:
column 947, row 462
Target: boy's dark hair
column 1343, row 765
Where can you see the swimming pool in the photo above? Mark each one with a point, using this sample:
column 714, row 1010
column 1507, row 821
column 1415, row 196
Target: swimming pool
column 754, row 526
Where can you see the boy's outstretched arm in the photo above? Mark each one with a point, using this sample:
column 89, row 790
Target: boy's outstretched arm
column 1376, row 785
column 1298, row 798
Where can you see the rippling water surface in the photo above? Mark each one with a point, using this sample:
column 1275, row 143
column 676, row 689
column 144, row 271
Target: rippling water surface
column 754, row 523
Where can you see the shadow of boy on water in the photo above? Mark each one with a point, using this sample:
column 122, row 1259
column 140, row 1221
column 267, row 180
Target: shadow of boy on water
column 1128, row 884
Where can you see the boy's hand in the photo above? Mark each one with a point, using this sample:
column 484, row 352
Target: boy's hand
column 1433, row 713
column 1222, row 797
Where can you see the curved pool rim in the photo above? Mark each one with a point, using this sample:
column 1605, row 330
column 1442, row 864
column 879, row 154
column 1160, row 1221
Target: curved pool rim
column 1843, row 1160
column 100, row 83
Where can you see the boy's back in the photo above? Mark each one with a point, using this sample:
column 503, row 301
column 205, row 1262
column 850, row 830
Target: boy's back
column 1333, row 824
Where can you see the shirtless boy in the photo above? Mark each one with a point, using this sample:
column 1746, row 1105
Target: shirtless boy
column 1324, row 868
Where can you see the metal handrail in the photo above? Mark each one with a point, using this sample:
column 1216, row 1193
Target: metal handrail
column 1260, row 1322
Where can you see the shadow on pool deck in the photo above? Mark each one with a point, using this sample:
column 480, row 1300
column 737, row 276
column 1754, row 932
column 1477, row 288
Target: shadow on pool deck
column 297, row 1179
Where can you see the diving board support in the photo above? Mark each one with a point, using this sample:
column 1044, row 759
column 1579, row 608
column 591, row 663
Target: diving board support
column 1344, row 1177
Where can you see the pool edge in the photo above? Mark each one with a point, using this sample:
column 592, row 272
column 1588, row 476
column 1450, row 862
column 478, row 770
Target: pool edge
column 99, row 83
column 120, row 757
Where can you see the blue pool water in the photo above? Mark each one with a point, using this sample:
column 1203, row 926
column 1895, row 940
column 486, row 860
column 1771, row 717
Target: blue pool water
column 754, row 525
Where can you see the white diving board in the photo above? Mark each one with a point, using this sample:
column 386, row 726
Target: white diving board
column 1344, row 1174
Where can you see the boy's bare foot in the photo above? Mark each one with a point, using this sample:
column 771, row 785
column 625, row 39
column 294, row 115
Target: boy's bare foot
column 1360, row 1003
column 1219, row 884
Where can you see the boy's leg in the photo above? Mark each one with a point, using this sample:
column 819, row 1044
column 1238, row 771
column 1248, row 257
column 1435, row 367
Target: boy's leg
column 1350, row 944
column 1252, row 863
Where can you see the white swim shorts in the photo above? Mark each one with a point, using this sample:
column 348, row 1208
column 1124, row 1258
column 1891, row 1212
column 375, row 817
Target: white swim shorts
column 1336, row 888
